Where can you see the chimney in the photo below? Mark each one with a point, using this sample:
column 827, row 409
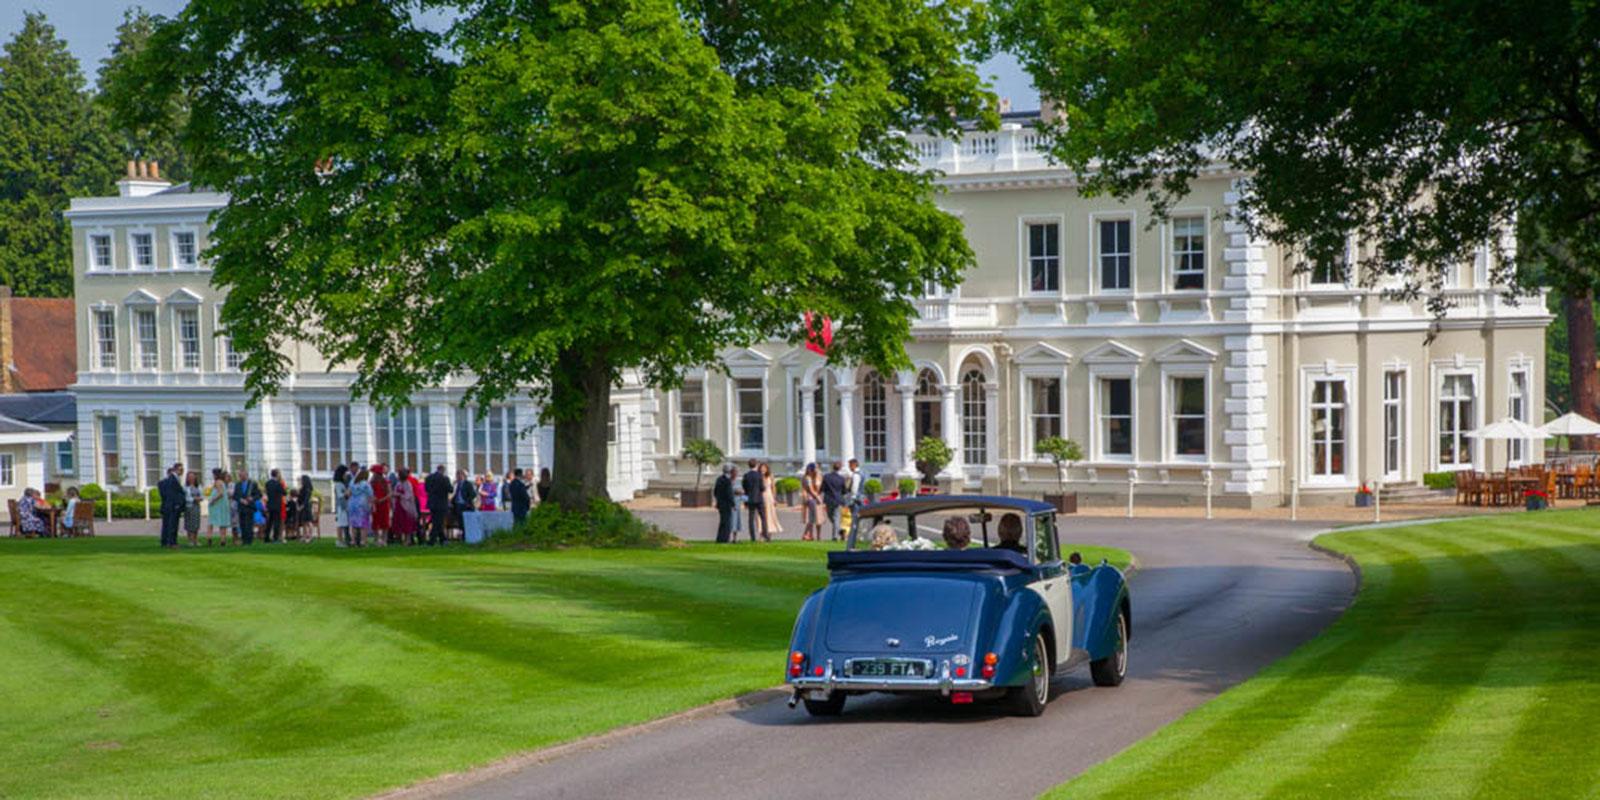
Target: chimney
column 8, row 373
column 143, row 179
column 1048, row 111
column 1005, row 105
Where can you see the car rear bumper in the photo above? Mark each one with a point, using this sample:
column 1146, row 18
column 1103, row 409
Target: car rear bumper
column 945, row 682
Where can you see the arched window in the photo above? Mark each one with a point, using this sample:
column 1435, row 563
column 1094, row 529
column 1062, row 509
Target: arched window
column 974, row 418
column 874, row 419
column 927, row 411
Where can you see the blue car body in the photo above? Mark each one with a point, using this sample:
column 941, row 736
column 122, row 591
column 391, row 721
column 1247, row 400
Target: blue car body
column 977, row 623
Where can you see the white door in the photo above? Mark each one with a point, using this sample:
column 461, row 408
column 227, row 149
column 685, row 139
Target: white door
column 1054, row 585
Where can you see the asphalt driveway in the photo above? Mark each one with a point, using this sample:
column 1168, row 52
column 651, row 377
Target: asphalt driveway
column 1213, row 603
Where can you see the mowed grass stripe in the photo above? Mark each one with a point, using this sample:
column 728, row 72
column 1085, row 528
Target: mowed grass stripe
column 1516, row 598
column 1485, row 716
column 1558, row 729
column 1417, row 685
column 1208, row 743
column 307, row 671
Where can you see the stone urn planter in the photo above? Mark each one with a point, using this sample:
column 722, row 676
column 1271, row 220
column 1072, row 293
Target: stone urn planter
column 1065, row 502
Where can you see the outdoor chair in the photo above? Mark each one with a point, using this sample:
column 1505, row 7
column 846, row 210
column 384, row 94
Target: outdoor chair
column 16, row 522
column 83, row 518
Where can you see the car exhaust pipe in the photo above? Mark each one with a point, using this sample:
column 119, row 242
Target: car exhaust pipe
column 794, row 699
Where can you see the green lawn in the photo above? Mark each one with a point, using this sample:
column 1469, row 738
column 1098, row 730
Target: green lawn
column 1469, row 666
column 297, row 671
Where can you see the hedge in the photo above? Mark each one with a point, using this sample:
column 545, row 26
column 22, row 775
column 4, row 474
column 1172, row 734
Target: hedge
column 1439, row 480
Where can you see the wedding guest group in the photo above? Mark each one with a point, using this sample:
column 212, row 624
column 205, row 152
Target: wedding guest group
column 821, row 497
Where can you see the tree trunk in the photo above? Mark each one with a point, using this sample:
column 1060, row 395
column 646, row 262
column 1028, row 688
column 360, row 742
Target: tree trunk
column 1579, row 310
column 580, row 396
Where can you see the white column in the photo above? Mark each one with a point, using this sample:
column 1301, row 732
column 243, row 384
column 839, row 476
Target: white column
column 847, row 423
column 908, row 429
column 952, row 429
column 808, row 426
column 991, row 426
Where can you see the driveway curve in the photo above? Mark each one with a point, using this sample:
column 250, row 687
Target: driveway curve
column 1213, row 603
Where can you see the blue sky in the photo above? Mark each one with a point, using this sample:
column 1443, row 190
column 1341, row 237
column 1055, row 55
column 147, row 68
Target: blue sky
column 88, row 27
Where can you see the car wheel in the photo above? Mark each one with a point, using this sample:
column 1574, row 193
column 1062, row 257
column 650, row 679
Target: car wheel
column 1110, row 671
column 831, row 707
column 1030, row 698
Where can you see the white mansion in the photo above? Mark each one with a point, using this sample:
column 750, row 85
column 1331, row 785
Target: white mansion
column 1171, row 351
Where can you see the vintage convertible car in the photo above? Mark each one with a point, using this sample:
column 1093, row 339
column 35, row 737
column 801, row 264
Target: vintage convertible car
column 994, row 620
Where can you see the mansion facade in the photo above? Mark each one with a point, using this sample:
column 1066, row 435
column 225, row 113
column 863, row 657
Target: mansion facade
column 159, row 383
column 1180, row 353
column 1176, row 352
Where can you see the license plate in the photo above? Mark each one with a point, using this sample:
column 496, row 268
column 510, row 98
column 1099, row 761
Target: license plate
column 888, row 668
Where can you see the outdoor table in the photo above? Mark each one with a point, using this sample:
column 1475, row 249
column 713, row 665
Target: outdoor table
column 477, row 525
column 52, row 518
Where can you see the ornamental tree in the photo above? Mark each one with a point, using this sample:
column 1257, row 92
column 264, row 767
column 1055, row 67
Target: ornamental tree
column 549, row 194
column 1429, row 128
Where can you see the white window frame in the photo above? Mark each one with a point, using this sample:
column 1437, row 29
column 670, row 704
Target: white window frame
column 1096, row 285
column 1401, row 405
column 736, row 413
column 97, row 338
column 192, row 459
column 865, row 385
column 1097, row 443
column 133, row 249
column 65, row 458
column 1309, row 376
column 1519, row 451
column 314, row 424
column 100, row 420
column 1030, row 414
column 98, row 235
column 413, row 427
column 1169, row 252
column 137, row 352
column 968, row 431
column 1025, row 255
column 228, row 360
column 467, row 453
column 1442, row 370
column 692, row 385
column 180, row 358
column 150, row 459
column 1169, row 411
column 229, row 455
column 8, row 471
column 1310, row 275
column 173, row 250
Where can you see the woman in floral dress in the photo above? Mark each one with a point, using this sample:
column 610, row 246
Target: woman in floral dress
column 358, row 509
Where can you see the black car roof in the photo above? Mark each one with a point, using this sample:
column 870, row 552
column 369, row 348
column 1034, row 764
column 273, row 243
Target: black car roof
column 923, row 504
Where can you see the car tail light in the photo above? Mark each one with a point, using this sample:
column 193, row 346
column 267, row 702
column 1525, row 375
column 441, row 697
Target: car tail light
column 961, row 697
column 988, row 671
column 989, row 660
column 817, row 671
column 961, row 672
column 796, row 661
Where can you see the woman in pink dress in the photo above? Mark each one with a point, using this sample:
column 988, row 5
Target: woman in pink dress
column 382, row 505
column 406, row 514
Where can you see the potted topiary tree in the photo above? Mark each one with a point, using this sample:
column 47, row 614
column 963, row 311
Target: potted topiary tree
column 788, row 486
column 908, row 487
column 932, row 456
column 1063, row 453
column 872, row 488
column 704, row 453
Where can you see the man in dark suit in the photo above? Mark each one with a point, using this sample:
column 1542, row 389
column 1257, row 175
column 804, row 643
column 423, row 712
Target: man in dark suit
column 754, row 498
column 518, row 497
column 245, row 494
column 173, row 500
column 834, row 488
column 437, row 487
column 275, row 492
column 722, row 492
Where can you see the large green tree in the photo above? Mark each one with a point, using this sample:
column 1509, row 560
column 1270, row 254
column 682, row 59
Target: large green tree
column 53, row 146
column 548, row 194
column 1427, row 127
column 152, row 134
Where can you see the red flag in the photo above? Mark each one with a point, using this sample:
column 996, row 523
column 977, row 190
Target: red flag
column 819, row 333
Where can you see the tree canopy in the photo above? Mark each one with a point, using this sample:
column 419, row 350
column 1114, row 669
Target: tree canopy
column 546, row 194
column 53, row 146
column 152, row 134
column 1429, row 128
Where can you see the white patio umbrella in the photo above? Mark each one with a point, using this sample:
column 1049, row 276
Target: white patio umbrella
column 1507, row 428
column 1571, row 424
